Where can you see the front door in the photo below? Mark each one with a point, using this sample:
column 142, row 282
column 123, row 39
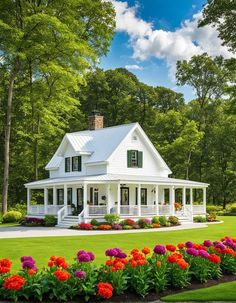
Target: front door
column 124, row 196
column 80, row 196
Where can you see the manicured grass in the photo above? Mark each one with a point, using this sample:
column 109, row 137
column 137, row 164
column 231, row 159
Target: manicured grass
column 8, row 224
column 221, row 292
column 42, row 248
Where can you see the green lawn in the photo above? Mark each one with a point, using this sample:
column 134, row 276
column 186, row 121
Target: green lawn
column 8, row 224
column 221, row 292
column 42, row 248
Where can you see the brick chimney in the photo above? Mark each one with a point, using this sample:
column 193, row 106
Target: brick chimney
column 95, row 120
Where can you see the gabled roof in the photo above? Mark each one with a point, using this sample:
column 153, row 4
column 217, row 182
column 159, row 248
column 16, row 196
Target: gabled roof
column 100, row 144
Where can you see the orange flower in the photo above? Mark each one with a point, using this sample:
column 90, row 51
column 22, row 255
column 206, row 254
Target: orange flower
column 105, row 290
column 134, row 251
column 119, row 266
column 31, row 272
column 146, row 250
column 5, row 266
column 141, row 262
column 133, row 263
column 158, row 263
column 51, row 263
column 62, row 275
column 182, row 263
column 174, row 257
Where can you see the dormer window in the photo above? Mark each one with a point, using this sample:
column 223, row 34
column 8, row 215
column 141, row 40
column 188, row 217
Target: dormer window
column 134, row 158
column 76, row 163
column 67, row 165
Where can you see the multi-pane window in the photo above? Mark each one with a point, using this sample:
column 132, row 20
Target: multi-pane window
column 76, row 163
column 134, row 158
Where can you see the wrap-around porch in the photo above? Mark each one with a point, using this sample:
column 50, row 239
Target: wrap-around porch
column 89, row 199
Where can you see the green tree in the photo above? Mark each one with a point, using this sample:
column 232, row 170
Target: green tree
column 168, row 99
column 53, row 44
column 221, row 14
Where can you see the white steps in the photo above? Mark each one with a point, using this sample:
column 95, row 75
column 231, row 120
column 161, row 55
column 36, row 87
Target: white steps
column 68, row 221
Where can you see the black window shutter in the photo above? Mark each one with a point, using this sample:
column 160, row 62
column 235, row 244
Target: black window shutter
column 129, row 158
column 79, row 163
column 67, row 163
column 140, row 159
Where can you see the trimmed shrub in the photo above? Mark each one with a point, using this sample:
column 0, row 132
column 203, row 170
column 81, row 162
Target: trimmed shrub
column 212, row 209
column 155, row 220
column 163, row 221
column 94, row 222
column 143, row 223
column 211, row 217
column 127, row 227
column 50, row 220
column 199, row 219
column 30, row 221
column 22, row 208
column 11, row 216
column 112, row 218
column 173, row 220
column 129, row 222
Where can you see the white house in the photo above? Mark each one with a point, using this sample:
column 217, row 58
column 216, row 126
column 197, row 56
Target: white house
column 111, row 170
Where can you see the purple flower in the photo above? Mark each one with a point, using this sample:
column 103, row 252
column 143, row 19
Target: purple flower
column 148, row 221
column 27, row 258
column 204, row 254
column 220, row 245
column 159, row 249
column 80, row 274
column 117, row 226
column 189, row 244
column 207, row 243
column 230, row 243
column 84, row 256
column 112, row 252
column 192, row 251
column 121, row 255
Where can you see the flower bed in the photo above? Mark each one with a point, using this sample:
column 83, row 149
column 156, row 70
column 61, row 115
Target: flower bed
column 117, row 224
column 140, row 272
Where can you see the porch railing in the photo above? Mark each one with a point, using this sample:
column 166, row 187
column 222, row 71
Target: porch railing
column 164, row 210
column 49, row 210
column 150, row 209
column 95, row 210
column 36, row 210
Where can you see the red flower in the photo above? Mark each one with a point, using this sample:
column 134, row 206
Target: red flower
column 105, row 290
column 14, row 282
column 214, row 258
column 134, row 251
column 146, row 250
column 109, row 262
column 180, row 245
column 5, row 266
column 58, row 261
column 170, row 247
column 62, row 275
column 174, row 257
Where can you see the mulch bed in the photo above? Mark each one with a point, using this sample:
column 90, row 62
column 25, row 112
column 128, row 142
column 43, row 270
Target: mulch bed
column 152, row 297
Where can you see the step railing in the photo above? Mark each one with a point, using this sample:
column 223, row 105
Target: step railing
column 81, row 216
column 61, row 214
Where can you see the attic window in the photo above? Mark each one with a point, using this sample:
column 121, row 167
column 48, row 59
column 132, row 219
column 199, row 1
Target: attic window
column 134, row 138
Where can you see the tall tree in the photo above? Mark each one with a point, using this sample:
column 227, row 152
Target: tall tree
column 53, row 41
column 221, row 14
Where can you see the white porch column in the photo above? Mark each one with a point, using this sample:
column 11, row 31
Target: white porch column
column 191, row 201
column 162, row 196
column 157, row 199
column 139, row 200
column 118, row 199
column 28, row 199
column 108, row 188
column 204, row 199
column 184, row 199
column 65, row 198
column 54, row 195
column 85, row 198
column 172, row 200
column 45, row 200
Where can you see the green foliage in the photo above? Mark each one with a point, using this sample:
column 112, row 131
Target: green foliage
column 11, row 216
column 163, row 220
column 22, row 208
column 112, row 218
column 94, row 222
column 199, row 219
column 155, row 220
column 50, row 220
column 173, row 220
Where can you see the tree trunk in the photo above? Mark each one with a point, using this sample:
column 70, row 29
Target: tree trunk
column 7, row 140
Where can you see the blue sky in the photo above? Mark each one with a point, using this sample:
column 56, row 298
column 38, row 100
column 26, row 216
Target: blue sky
column 152, row 35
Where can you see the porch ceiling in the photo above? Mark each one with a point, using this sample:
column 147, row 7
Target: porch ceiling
column 116, row 178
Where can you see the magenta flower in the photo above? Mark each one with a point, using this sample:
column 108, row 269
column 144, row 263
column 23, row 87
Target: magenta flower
column 204, row 254
column 192, row 251
column 80, row 274
column 159, row 249
column 28, row 263
column 220, row 245
column 83, row 256
column 189, row 244
column 207, row 243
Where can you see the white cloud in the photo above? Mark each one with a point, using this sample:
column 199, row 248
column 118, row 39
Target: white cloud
column 182, row 43
column 134, row 67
